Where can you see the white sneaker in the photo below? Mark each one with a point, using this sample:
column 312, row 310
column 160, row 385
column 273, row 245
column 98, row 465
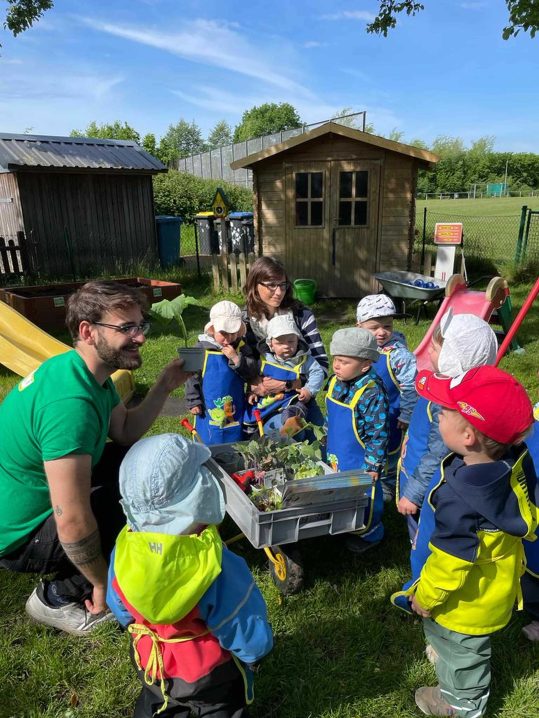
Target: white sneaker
column 72, row 618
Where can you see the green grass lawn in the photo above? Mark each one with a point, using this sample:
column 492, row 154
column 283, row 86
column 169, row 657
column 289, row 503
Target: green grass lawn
column 341, row 650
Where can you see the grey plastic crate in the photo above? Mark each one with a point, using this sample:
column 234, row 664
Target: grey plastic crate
column 337, row 511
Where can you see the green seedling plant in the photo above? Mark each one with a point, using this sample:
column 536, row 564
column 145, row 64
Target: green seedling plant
column 168, row 309
column 298, row 459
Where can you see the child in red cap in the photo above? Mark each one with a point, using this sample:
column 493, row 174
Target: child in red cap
column 470, row 582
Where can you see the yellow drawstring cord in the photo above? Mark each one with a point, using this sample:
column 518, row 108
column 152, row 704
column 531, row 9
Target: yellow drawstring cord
column 155, row 659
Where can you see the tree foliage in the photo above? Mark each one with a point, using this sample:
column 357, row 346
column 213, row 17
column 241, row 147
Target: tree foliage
column 108, row 131
column 523, row 15
column 181, row 140
column 266, row 119
column 21, row 14
column 220, row 135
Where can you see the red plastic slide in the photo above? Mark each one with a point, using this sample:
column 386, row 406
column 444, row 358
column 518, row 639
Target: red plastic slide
column 518, row 321
column 462, row 300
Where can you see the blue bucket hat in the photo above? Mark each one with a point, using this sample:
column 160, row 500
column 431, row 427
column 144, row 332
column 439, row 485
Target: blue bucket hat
column 166, row 488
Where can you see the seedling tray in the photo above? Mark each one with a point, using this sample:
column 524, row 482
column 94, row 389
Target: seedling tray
column 325, row 505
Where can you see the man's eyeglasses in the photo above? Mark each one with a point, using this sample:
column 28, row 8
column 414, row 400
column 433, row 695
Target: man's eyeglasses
column 130, row 330
column 274, row 286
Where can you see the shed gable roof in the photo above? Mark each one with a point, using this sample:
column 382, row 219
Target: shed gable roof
column 424, row 156
column 27, row 152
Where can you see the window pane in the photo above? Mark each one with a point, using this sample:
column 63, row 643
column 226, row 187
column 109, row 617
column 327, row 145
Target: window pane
column 317, row 184
column 360, row 213
column 345, row 213
column 316, row 213
column 302, row 218
column 345, row 184
column 302, row 184
column 362, row 184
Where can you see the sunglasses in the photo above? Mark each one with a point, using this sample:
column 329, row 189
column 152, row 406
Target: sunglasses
column 129, row 330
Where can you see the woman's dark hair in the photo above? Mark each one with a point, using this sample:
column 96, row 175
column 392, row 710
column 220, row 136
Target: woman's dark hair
column 94, row 299
column 266, row 269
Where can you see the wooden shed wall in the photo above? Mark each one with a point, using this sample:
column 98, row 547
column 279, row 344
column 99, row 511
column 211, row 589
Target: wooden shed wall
column 397, row 192
column 96, row 222
column 11, row 220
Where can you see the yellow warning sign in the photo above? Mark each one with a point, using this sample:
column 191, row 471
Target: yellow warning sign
column 220, row 204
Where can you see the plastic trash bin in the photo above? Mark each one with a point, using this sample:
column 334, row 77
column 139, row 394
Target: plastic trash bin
column 305, row 290
column 242, row 232
column 168, row 239
column 208, row 241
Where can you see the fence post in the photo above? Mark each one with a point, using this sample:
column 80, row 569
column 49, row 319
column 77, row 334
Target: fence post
column 521, row 234
column 422, row 262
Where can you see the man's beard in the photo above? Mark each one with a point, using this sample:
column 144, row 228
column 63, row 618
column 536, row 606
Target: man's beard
column 117, row 358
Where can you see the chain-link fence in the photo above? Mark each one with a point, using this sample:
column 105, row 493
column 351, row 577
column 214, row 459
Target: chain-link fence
column 491, row 239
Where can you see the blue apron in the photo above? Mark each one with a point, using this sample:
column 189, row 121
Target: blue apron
column 531, row 549
column 346, row 450
column 274, row 403
column 383, row 368
column 224, row 401
column 415, row 444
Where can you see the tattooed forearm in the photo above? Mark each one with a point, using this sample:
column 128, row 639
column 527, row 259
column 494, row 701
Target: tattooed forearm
column 85, row 551
column 58, row 510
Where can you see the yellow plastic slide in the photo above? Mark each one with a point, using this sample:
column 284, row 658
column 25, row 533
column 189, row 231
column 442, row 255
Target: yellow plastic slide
column 24, row 346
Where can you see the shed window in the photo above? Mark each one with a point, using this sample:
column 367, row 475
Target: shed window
column 353, row 198
column 309, row 199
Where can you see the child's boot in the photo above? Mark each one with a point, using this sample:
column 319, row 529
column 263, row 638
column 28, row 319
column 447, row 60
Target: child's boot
column 430, row 702
column 531, row 631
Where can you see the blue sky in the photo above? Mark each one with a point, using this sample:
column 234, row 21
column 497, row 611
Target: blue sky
column 151, row 62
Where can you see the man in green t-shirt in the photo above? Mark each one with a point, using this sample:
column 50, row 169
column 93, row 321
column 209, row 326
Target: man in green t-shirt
column 60, row 510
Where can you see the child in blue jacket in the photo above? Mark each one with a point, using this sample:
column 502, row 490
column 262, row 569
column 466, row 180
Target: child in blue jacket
column 483, row 509
column 197, row 621
column 357, row 423
column 396, row 366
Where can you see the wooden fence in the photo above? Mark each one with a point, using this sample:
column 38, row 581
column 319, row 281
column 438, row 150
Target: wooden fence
column 17, row 256
column 230, row 271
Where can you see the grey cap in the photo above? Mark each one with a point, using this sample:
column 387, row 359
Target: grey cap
column 166, row 488
column 354, row 342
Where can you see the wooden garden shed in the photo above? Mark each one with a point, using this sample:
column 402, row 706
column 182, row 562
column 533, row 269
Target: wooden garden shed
column 336, row 205
column 81, row 205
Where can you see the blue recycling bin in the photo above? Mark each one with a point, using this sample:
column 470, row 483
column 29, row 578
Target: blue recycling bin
column 168, row 239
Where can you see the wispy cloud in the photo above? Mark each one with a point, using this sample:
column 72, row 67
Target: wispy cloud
column 55, row 86
column 209, row 43
column 308, row 44
column 364, row 15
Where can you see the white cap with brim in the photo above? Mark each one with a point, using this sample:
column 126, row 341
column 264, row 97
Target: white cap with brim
column 354, row 342
column 280, row 326
column 373, row 306
column 166, row 488
column 225, row 317
column 469, row 342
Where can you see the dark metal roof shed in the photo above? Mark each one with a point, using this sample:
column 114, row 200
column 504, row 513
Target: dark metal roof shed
column 39, row 152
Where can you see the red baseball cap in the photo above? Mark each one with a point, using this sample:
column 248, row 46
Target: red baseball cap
column 490, row 399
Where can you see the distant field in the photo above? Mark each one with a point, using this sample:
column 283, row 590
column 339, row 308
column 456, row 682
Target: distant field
column 491, row 225
column 489, row 206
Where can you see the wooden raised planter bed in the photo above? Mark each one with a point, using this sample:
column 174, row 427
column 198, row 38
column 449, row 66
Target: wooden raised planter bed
column 45, row 305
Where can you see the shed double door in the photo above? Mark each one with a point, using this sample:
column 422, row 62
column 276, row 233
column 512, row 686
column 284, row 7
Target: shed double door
column 332, row 224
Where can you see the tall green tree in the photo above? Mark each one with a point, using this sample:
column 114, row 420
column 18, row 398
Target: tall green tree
column 523, row 15
column 108, row 131
column 149, row 143
column 220, row 135
column 265, row 119
column 181, row 140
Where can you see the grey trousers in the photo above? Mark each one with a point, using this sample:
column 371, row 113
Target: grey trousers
column 463, row 668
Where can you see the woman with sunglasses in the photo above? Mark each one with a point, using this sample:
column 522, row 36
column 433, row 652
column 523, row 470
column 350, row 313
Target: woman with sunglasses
column 269, row 293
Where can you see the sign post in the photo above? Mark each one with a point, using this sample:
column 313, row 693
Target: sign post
column 447, row 235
